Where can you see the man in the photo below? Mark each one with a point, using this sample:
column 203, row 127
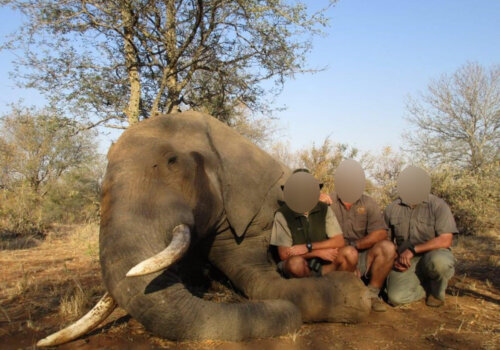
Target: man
column 422, row 226
column 363, row 227
column 306, row 233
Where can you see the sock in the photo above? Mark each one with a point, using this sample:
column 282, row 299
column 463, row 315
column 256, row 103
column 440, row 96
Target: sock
column 374, row 291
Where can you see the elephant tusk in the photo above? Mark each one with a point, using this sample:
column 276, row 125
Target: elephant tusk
column 85, row 324
column 175, row 250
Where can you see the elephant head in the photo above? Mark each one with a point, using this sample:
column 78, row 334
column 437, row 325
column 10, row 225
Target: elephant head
column 183, row 181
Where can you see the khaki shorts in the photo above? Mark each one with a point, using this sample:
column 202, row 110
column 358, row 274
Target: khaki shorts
column 362, row 263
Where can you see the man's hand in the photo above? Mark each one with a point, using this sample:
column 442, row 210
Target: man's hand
column 405, row 258
column 328, row 254
column 323, row 197
column 399, row 267
column 298, row 249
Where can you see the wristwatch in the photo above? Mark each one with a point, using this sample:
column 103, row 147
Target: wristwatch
column 411, row 248
column 309, row 246
column 353, row 244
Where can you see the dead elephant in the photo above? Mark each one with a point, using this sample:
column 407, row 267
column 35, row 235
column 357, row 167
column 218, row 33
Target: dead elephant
column 186, row 182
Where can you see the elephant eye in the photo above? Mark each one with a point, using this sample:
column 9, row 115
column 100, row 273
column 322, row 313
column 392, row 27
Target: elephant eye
column 172, row 160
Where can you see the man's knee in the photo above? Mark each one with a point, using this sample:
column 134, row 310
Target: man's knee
column 296, row 266
column 398, row 296
column 385, row 249
column 440, row 263
column 350, row 254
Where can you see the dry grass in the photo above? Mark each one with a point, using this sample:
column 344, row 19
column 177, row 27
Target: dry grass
column 77, row 301
column 61, row 273
column 48, row 286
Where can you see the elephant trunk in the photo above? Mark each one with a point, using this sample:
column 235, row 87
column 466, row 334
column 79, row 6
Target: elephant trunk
column 168, row 308
column 176, row 314
column 164, row 304
column 336, row 297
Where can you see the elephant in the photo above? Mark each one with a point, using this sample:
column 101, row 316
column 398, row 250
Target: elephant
column 184, row 188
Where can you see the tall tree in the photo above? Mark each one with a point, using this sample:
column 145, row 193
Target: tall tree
column 124, row 60
column 457, row 119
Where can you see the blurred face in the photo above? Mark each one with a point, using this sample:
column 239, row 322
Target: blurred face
column 301, row 192
column 414, row 185
column 349, row 181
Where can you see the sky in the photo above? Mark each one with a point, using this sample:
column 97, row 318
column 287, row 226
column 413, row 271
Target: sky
column 375, row 53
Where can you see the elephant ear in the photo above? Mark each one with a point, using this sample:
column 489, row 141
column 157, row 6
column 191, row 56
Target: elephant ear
column 247, row 174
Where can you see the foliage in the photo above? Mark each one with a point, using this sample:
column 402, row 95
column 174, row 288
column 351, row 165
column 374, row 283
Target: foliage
column 384, row 169
column 323, row 160
column 261, row 131
column 282, row 151
column 42, row 156
column 473, row 197
column 457, row 120
column 127, row 60
column 320, row 160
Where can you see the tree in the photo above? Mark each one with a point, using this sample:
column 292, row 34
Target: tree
column 322, row 161
column 261, row 131
column 457, row 120
column 124, row 60
column 50, row 171
column 384, row 169
column 38, row 147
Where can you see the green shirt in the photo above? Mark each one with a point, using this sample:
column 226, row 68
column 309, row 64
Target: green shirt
column 420, row 224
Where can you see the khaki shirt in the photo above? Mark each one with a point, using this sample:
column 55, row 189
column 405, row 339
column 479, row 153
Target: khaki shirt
column 362, row 218
column 420, row 224
column 282, row 237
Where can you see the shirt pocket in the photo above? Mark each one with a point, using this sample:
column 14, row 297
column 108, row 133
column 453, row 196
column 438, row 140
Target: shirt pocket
column 360, row 222
column 425, row 228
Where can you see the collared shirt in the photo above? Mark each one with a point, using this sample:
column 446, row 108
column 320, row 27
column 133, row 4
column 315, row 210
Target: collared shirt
column 362, row 218
column 420, row 224
column 282, row 237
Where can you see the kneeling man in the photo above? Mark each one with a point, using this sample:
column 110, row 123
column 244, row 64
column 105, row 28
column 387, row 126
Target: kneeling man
column 363, row 227
column 306, row 232
column 422, row 227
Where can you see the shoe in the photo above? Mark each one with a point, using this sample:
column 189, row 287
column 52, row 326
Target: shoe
column 432, row 301
column 378, row 305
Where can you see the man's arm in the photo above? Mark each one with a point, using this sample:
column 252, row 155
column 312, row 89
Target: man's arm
column 371, row 239
column 444, row 240
column 326, row 250
column 288, row 252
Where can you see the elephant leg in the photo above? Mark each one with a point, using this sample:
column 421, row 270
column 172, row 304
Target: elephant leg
column 336, row 297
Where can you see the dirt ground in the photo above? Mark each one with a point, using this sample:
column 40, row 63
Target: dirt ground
column 53, row 281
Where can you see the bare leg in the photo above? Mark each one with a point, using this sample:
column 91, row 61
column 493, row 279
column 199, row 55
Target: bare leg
column 379, row 262
column 296, row 267
column 347, row 260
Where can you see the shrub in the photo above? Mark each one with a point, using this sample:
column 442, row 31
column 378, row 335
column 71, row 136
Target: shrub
column 472, row 197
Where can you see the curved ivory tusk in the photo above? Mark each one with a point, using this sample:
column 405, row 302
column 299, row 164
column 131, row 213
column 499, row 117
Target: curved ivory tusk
column 175, row 250
column 85, row 324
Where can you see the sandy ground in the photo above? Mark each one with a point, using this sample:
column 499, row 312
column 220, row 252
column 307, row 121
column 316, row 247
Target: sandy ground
column 56, row 280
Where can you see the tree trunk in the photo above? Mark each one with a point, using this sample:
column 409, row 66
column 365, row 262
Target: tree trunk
column 132, row 64
column 171, row 78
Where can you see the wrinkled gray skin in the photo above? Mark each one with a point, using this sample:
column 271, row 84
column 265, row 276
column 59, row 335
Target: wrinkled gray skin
column 191, row 169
